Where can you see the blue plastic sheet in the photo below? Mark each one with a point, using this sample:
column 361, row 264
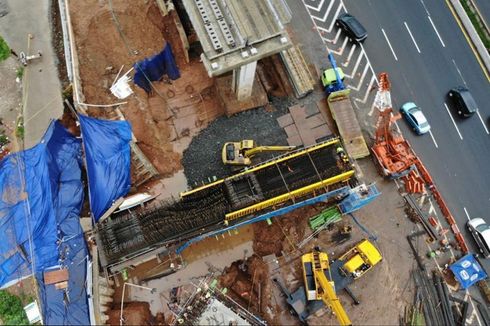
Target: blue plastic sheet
column 153, row 69
column 468, row 271
column 107, row 153
column 50, row 207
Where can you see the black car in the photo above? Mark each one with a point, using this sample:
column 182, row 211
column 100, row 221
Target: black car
column 463, row 101
column 352, row 27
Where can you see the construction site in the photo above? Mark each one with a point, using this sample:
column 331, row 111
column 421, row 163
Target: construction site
column 255, row 192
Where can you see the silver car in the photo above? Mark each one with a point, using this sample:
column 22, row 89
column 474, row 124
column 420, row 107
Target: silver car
column 481, row 232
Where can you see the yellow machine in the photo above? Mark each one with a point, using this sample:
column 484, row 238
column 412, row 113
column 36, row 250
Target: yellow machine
column 240, row 153
column 318, row 287
column 360, row 259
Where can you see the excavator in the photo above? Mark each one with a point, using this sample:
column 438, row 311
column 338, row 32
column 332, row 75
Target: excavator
column 317, row 285
column 240, row 153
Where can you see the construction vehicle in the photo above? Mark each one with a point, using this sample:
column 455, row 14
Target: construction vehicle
column 360, row 259
column 317, row 285
column 340, row 106
column 240, row 153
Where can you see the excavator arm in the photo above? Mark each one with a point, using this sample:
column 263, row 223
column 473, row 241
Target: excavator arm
column 329, row 297
column 261, row 149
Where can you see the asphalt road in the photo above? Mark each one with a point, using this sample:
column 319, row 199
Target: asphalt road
column 425, row 58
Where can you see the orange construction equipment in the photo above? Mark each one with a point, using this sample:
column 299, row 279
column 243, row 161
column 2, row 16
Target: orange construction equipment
column 393, row 154
column 396, row 159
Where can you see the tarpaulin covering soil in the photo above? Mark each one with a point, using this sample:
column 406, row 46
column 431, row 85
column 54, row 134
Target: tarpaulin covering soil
column 41, row 194
column 153, row 69
column 108, row 158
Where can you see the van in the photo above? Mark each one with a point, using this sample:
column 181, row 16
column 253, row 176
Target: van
column 463, row 100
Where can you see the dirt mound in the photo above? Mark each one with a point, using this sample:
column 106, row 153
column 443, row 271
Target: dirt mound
column 284, row 233
column 134, row 313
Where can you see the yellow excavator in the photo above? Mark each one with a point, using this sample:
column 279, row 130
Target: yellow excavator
column 240, row 153
column 317, row 285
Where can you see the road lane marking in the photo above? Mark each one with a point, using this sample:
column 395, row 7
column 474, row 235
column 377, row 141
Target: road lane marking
column 353, row 74
column 318, row 7
column 334, row 41
column 459, row 72
column 339, row 52
column 370, row 65
column 437, row 32
column 433, row 139
column 452, row 119
column 423, row 4
column 346, row 63
column 413, row 39
column 387, row 40
column 359, row 85
column 482, row 122
column 466, row 212
column 368, row 91
column 475, row 53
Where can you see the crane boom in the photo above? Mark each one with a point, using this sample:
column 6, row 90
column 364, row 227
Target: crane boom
column 329, row 297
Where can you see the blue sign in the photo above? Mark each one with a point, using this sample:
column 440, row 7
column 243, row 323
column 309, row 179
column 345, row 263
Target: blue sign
column 468, row 271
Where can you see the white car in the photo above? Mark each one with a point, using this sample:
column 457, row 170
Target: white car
column 481, row 232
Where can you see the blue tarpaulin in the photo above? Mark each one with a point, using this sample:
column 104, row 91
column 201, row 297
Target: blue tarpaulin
column 153, row 69
column 468, row 271
column 107, row 153
column 50, row 208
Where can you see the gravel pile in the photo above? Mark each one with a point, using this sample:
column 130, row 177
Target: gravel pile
column 202, row 159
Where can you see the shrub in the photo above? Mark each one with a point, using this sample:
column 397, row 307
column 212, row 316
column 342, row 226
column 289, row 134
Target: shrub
column 11, row 309
column 4, row 50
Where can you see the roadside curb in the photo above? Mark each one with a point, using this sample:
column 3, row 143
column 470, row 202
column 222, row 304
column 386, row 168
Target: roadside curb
column 470, row 29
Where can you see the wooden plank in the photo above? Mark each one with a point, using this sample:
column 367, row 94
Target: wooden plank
column 56, row 276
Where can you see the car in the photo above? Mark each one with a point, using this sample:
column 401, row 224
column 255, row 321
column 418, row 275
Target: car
column 481, row 232
column 415, row 117
column 352, row 27
column 463, row 101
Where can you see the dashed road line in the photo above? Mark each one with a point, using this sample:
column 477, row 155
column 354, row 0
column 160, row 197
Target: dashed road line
column 433, row 139
column 482, row 122
column 423, row 4
column 466, row 212
column 437, row 32
column 391, row 48
column 459, row 72
column 413, row 39
column 454, row 123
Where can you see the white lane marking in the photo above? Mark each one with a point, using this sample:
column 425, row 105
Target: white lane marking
column 346, row 63
column 353, row 74
column 413, row 39
column 433, row 139
column 370, row 65
column 422, row 200
column 459, row 72
column 482, row 122
column 387, row 40
column 368, row 91
column 435, row 29
column 339, row 52
column 466, row 212
column 318, row 7
column 366, row 68
column 423, row 4
column 328, row 40
column 452, row 119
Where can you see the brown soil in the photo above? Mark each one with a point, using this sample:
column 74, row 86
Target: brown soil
column 248, row 284
column 134, row 313
column 284, row 233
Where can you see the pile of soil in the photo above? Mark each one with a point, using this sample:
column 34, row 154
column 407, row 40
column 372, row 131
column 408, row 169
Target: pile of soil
column 284, row 233
column 103, row 46
column 248, row 283
column 134, row 313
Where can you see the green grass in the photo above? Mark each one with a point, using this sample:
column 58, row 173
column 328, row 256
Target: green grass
column 20, row 72
column 474, row 20
column 4, row 50
column 11, row 309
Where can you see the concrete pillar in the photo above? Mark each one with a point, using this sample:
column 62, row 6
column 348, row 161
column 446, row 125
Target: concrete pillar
column 243, row 80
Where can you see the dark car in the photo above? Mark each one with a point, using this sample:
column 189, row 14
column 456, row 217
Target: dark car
column 352, row 27
column 463, row 101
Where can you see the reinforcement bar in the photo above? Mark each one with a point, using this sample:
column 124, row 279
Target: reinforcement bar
column 278, row 160
column 288, row 196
